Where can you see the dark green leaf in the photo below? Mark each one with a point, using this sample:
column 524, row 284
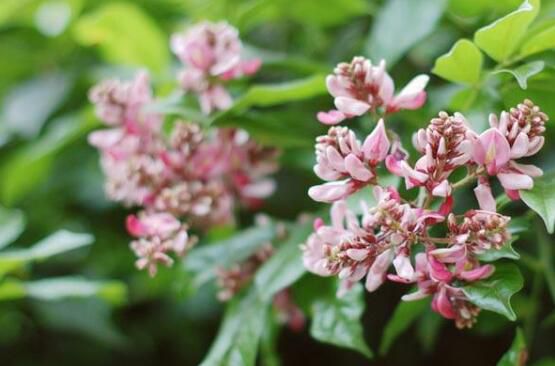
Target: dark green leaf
column 541, row 199
column 524, row 72
column 517, row 355
column 495, row 292
column 337, row 321
column 506, row 251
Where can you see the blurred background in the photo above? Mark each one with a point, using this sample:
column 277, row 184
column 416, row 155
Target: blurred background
column 53, row 51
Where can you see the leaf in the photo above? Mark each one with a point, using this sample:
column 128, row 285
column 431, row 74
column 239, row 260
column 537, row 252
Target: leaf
column 524, row 72
column 494, row 293
column 541, row 89
column 501, row 38
column 541, row 199
column 12, row 223
column 125, row 34
column 29, row 105
column 406, row 313
column 400, row 24
column 204, row 260
column 285, row 267
column 542, row 41
column 506, row 251
column 517, row 355
column 11, row 290
column 239, row 334
column 337, row 321
column 324, row 12
column 57, row 243
column 463, row 63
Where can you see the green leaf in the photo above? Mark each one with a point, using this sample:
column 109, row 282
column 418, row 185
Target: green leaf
column 501, row 38
column 541, row 199
column 463, row 63
column 239, row 335
column 545, row 40
column 517, row 355
column 285, row 267
column 11, row 290
column 494, row 293
column 126, row 35
column 541, row 90
column 506, row 251
column 204, row 260
column 400, row 24
column 406, row 313
column 524, row 72
column 337, row 321
column 27, row 107
column 57, row 243
column 12, row 223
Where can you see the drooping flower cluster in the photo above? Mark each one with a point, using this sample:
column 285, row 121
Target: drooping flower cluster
column 189, row 178
column 395, row 231
column 211, row 53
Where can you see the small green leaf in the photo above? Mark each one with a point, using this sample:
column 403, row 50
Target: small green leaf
column 406, row 313
column 494, row 293
column 337, row 321
column 541, row 199
column 501, row 38
column 285, row 266
column 126, row 35
column 542, row 41
column 506, row 251
column 400, row 24
column 463, row 63
column 12, row 223
column 517, row 355
column 524, row 72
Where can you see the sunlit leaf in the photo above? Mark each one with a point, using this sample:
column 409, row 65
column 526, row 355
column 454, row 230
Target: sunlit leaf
column 524, row 72
column 542, row 41
column 541, row 199
column 12, row 223
column 463, row 63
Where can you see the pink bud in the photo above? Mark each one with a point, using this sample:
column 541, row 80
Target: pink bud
column 478, row 273
column 377, row 144
column 332, row 191
column 331, row 117
column 485, row 196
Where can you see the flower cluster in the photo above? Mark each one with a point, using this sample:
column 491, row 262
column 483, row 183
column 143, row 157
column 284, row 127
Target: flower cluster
column 395, row 231
column 188, row 178
column 211, row 53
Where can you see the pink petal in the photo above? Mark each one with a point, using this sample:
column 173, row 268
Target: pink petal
column 477, row 273
column 350, row 106
column 336, row 87
column 485, row 197
column 442, row 305
column 442, row 190
column 357, row 169
column 515, row 181
column 403, row 267
column 527, row 169
column 331, row 192
column 377, row 144
column 492, row 150
column 134, row 226
column 520, row 146
column 331, row 117
column 376, row 274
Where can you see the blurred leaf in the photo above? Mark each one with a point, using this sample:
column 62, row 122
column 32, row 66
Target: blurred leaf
column 494, row 293
column 501, row 38
column 57, row 243
column 27, row 107
column 406, row 313
column 545, row 362
column 519, row 225
column 400, row 24
column 204, row 260
column 285, row 267
column 523, row 72
column 541, row 199
column 517, row 355
column 30, row 165
column 126, row 35
column 239, row 334
column 324, row 12
column 428, row 329
column 506, row 251
column 11, row 290
column 12, row 223
column 337, row 320
column 542, row 41
column 462, row 63
column 465, row 8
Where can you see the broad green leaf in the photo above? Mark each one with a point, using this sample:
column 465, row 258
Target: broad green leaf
column 519, row 225
column 337, row 321
column 506, row 251
column 57, row 243
column 501, row 38
column 12, row 223
column 400, row 24
column 517, row 355
column 239, row 334
column 542, row 41
column 204, row 260
column 285, row 266
column 463, row 63
column 494, row 293
column 524, row 72
column 429, row 329
column 27, row 107
column 406, row 313
column 541, row 199
column 126, row 35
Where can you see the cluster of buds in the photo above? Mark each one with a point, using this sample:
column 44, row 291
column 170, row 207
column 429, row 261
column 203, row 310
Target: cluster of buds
column 190, row 178
column 211, row 53
column 390, row 232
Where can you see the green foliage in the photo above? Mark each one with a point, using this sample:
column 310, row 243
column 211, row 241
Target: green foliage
column 517, row 354
column 462, row 64
column 506, row 251
column 495, row 292
column 12, row 223
column 541, row 199
column 523, row 72
column 542, row 41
